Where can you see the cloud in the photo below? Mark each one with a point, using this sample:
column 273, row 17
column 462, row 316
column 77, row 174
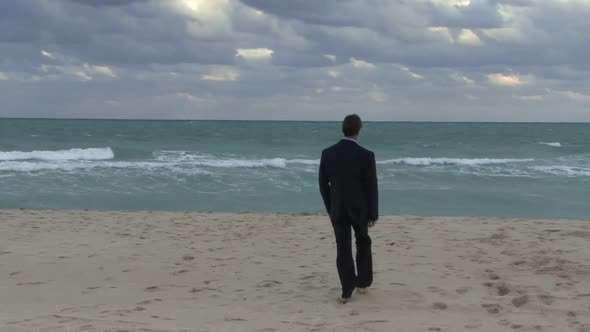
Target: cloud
column 468, row 37
column 274, row 59
column 189, row 97
column 47, row 54
column 577, row 96
column 330, row 57
column 357, row 63
column 412, row 74
column 531, row 98
column 506, row 80
column 221, row 74
column 334, row 73
column 100, row 70
column 254, row 53
column 104, row 3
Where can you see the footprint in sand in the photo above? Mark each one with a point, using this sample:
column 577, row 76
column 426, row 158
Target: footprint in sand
column 463, row 290
column 492, row 308
column 440, row 306
column 152, row 288
column 502, row 289
column 175, row 273
column 519, row 301
column 546, row 299
column 268, row 283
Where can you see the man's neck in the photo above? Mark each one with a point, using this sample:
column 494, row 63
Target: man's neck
column 351, row 138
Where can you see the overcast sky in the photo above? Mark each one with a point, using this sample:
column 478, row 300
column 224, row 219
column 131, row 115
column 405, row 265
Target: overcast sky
column 395, row 60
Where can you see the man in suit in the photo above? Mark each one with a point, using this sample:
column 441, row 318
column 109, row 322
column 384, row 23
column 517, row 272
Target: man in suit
column 348, row 184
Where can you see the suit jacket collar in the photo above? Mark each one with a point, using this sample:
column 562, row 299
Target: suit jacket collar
column 347, row 139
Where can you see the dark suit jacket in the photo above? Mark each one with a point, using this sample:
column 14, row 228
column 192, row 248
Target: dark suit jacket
column 348, row 182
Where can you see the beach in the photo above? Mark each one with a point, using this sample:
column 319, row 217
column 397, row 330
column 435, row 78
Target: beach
column 195, row 271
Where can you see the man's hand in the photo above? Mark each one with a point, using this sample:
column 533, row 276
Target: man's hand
column 372, row 223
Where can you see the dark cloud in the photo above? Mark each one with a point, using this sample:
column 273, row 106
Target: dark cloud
column 104, row 3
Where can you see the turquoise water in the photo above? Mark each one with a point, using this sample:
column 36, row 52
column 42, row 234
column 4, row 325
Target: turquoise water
column 519, row 170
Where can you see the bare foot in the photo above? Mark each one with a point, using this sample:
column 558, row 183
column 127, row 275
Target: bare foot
column 363, row 290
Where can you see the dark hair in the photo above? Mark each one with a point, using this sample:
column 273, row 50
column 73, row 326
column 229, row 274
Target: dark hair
column 351, row 125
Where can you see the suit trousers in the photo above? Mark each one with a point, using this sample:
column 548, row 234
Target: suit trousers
column 344, row 260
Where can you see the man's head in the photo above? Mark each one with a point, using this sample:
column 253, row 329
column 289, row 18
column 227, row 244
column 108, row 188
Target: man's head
column 351, row 126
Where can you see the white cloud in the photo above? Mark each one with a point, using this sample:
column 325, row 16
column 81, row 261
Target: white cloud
column 3, row 76
column 577, row 96
column 81, row 74
column 531, row 98
column 188, row 97
column 462, row 79
column 254, row 53
column 357, row 63
column 414, row 75
column 468, row 37
column 330, row 57
column 507, row 80
column 221, row 74
column 337, row 88
column 47, row 54
column 100, row 70
column 377, row 96
column 334, row 73
column 457, row 3
column 444, row 32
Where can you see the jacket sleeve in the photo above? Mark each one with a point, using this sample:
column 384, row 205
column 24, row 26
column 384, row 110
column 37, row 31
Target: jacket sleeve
column 372, row 189
column 324, row 183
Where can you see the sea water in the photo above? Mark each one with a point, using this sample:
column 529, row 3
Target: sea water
column 459, row 169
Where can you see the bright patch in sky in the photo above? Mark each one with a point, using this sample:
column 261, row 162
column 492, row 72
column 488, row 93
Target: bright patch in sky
column 221, row 74
column 188, row 97
column 254, row 53
column 506, row 80
column 330, row 57
column 3, row 77
column 458, row 3
column 193, row 4
column 334, row 73
column 100, row 70
column 414, row 75
column 577, row 96
column 468, row 37
column 532, row 98
column 47, row 54
column 357, row 63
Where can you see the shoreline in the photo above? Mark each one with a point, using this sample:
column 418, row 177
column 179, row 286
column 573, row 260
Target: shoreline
column 296, row 214
column 208, row 271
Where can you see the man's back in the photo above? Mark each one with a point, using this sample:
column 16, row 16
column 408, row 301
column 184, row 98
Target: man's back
column 348, row 181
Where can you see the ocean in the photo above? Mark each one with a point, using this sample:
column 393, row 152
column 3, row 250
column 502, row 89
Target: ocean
column 424, row 169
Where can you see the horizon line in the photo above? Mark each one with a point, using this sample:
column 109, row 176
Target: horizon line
column 247, row 120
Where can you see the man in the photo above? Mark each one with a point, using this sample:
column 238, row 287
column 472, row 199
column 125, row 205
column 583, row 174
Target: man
column 348, row 184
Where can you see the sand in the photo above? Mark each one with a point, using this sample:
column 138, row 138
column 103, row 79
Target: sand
column 177, row 271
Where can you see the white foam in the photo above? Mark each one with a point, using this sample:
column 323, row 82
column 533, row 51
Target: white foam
column 561, row 170
column 555, row 144
column 239, row 163
column 450, row 161
column 71, row 154
column 207, row 160
column 68, row 166
column 304, row 161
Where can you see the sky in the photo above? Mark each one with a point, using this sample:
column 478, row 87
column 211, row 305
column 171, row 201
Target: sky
column 386, row 60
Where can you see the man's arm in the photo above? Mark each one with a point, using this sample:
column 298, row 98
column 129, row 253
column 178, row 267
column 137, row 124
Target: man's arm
column 372, row 189
column 324, row 182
